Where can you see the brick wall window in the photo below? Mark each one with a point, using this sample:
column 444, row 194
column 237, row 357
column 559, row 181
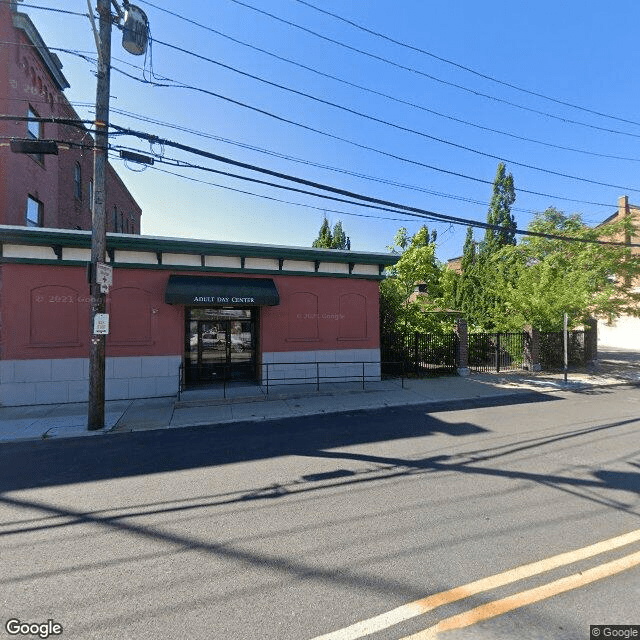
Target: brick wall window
column 77, row 181
column 115, row 218
column 35, row 212
column 35, row 131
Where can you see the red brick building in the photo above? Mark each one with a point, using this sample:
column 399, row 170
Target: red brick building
column 47, row 190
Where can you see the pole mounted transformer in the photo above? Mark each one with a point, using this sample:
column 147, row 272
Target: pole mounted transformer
column 135, row 30
column 135, row 38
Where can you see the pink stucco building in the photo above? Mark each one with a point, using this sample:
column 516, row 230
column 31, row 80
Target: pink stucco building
column 189, row 311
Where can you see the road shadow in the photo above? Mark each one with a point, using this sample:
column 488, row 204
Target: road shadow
column 34, row 464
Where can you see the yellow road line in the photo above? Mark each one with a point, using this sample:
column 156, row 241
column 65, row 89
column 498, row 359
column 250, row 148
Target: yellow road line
column 419, row 607
column 498, row 607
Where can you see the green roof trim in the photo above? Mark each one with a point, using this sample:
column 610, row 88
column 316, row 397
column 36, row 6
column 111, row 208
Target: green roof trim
column 191, row 269
column 124, row 242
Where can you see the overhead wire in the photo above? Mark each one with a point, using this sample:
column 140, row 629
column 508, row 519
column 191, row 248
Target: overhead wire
column 475, row 72
column 395, row 98
column 177, row 84
column 422, row 73
column 394, row 125
column 183, row 85
column 356, row 198
column 53, row 9
column 264, row 196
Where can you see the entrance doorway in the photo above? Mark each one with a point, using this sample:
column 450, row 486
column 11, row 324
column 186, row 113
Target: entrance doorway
column 219, row 345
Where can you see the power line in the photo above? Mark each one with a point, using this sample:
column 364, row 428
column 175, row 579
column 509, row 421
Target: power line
column 346, row 140
column 424, row 74
column 34, row 6
column 395, row 98
column 394, row 125
column 307, row 162
column 263, row 196
column 463, row 67
column 357, row 199
column 178, row 84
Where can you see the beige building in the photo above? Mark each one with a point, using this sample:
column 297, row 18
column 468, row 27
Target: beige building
column 625, row 331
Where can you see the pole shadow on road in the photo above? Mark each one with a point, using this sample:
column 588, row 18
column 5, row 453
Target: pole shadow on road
column 45, row 464
column 34, row 464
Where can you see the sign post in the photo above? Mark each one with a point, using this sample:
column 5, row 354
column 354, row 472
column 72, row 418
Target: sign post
column 566, row 347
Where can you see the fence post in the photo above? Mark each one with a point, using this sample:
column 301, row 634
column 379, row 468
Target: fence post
column 462, row 357
column 415, row 353
column 532, row 348
column 591, row 341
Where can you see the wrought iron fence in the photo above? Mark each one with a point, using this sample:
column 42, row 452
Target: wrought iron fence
column 496, row 351
column 552, row 349
column 419, row 354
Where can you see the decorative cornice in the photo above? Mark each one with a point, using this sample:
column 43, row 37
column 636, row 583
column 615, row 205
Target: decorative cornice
column 23, row 22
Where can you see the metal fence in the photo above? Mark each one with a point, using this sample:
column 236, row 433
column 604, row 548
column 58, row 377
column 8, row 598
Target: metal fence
column 496, row 351
column 552, row 349
column 419, row 354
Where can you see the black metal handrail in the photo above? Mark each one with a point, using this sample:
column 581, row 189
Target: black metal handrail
column 317, row 379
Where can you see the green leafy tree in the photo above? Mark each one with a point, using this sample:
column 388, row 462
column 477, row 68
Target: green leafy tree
column 543, row 278
column 400, row 310
column 473, row 291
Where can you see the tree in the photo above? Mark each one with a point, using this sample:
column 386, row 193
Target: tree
column 340, row 240
column 417, row 266
column 324, row 239
column 328, row 240
column 473, row 291
column 499, row 213
column 543, row 278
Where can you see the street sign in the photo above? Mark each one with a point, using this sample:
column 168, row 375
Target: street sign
column 104, row 276
column 101, row 324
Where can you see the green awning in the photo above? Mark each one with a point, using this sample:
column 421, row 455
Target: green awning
column 228, row 292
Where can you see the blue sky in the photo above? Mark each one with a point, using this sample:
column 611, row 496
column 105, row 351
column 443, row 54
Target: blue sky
column 575, row 52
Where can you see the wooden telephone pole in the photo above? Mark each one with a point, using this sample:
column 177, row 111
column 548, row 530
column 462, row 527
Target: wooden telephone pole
column 99, row 229
column 135, row 37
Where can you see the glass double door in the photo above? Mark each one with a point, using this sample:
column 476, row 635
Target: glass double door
column 220, row 345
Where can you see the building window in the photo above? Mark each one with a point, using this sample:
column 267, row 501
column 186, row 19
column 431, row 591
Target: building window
column 115, row 219
column 34, row 215
column 77, row 181
column 35, row 131
column 90, row 195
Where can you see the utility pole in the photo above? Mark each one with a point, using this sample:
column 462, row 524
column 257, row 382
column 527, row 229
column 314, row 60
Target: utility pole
column 99, row 229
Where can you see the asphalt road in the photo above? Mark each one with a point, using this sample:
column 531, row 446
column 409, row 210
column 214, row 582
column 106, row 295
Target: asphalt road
column 300, row 528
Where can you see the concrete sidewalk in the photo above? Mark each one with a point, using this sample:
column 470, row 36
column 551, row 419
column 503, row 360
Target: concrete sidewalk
column 251, row 402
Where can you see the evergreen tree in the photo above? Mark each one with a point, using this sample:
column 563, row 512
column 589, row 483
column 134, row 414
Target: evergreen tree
column 499, row 213
column 328, row 240
column 325, row 238
column 340, row 239
column 468, row 251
